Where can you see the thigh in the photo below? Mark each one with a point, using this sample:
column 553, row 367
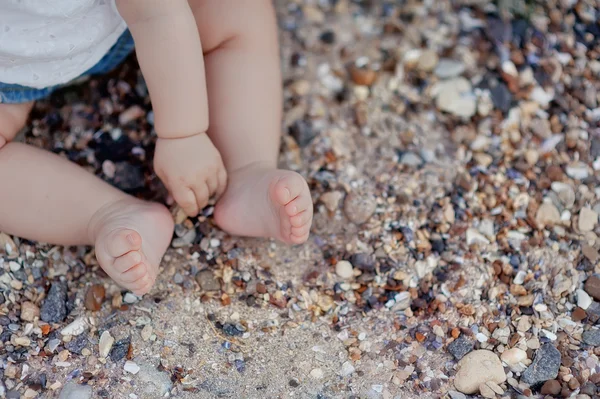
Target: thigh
column 13, row 118
column 220, row 21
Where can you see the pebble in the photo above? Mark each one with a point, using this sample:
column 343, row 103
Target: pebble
column 513, row 356
column 14, row 266
column 587, row 219
column 460, row 347
column 120, row 349
column 78, row 326
column 131, row 367
column 331, row 200
column 130, row 298
column 29, row 311
column 486, row 391
column 207, row 281
column 146, row 332
column 547, row 214
column 317, row 373
column 427, row 61
column 347, row 369
column 53, row 344
column 94, row 297
column 359, row 208
column 591, row 337
column 344, row 269
column 153, row 382
column 578, row 171
column 448, row 68
column 457, row 395
column 477, row 368
column 583, row 299
column 73, row 390
column 105, row 344
column 592, row 286
column 544, row 367
column 551, row 387
column 363, row 262
column 455, row 96
column 54, row 308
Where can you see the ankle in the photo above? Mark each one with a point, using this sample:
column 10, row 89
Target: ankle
column 255, row 165
column 98, row 219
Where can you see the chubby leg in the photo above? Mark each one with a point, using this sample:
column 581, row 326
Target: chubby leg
column 239, row 39
column 49, row 199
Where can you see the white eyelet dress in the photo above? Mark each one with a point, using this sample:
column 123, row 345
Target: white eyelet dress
column 46, row 43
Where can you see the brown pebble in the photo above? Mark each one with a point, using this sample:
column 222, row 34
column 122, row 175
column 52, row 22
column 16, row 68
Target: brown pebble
column 592, row 287
column 565, row 392
column 420, row 337
column 261, row 288
column 554, row 173
column 595, row 378
column 590, row 253
column 573, row 384
column 578, row 314
column 362, row 76
column 551, row 387
column 94, row 297
column 567, row 361
column 455, row 333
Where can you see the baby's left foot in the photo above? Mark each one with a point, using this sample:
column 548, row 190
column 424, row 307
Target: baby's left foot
column 261, row 201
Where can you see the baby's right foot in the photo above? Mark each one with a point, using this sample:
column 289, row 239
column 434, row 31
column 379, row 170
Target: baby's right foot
column 131, row 237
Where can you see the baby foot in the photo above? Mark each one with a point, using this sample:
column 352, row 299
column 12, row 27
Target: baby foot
column 262, row 201
column 131, row 236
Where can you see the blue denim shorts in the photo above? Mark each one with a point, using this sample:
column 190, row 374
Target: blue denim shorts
column 14, row 94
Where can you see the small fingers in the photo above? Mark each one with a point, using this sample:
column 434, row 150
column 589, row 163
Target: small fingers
column 186, row 199
column 222, row 180
column 213, row 184
column 202, row 195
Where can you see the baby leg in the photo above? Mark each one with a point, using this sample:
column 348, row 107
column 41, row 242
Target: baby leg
column 239, row 39
column 48, row 199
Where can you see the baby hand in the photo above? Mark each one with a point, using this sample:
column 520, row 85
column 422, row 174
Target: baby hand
column 192, row 170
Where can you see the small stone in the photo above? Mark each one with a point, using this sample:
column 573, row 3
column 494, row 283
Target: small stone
column 22, row 341
column 317, row 373
column 587, row 219
column 146, row 332
column 455, row 96
column 29, row 311
column 331, row 200
column 547, row 215
column 411, row 159
column 475, row 237
column 94, row 297
column 578, row 314
column 359, row 208
column 583, row 299
column 303, row 132
column 513, row 356
column 77, row 344
column 155, row 383
column 460, row 347
column 578, row 171
column 14, row 266
column 54, row 308
column 591, row 337
column 592, row 286
column 448, row 68
column 78, row 326
column 347, row 369
column 344, row 269
column 363, row 262
column 590, row 253
column 327, row 37
column 72, row 390
column 551, row 387
column 362, row 76
column 105, row 344
column 588, row 388
column 208, row 281
column 7, row 245
column 120, row 349
column 486, row 391
column 427, row 61
column 544, row 367
column 294, row 383
column 131, row 114
column 131, row 367
column 456, row 395
column 52, row 345
column 477, row 368
column 130, row 298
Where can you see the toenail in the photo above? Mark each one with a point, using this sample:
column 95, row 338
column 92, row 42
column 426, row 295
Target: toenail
column 137, row 257
column 131, row 239
column 289, row 193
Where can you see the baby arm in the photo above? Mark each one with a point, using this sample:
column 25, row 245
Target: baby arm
column 170, row 55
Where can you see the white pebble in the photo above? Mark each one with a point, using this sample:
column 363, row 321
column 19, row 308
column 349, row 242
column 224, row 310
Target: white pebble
column 520, row 277
column 347, row 369
column 481, row 337
column 14, row 266
column 78, row 326
column 130, row 298
column 583, row 299
column 344, row 269
column 131, row 367
column 105, row 344
column 317, row 374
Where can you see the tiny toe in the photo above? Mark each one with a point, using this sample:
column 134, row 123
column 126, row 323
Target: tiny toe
column 298, row 205
column 143, row 285
column 299, row 239
column 300, row 219
column 123, row 241
column 127, row 261
column 299, row 231
column 135, row 273
column 288, row 188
